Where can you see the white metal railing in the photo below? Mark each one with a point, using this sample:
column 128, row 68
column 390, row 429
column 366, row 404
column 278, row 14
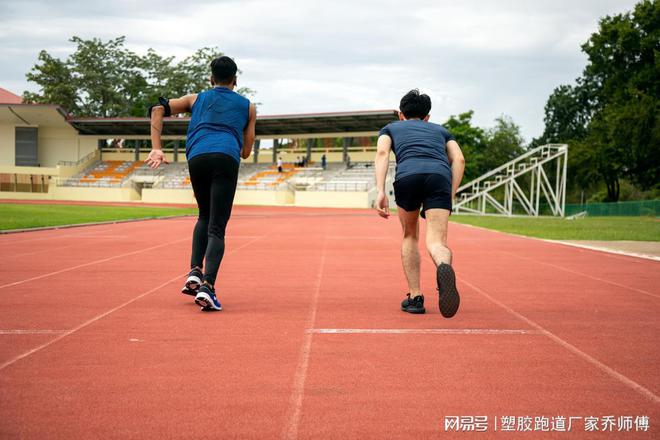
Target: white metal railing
column 85, row 158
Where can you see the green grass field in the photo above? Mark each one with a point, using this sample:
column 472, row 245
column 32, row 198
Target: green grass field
column 19, row 216
column 588, row 228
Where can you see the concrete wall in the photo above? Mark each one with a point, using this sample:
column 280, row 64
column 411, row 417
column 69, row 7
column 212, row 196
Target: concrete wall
column 93, row 194
column 7, row 145
column 318, row 199
column 332, row 199
column 86, row 145
column 10, row 195
column 160, row 195
column 56, row 144
column 264, row 198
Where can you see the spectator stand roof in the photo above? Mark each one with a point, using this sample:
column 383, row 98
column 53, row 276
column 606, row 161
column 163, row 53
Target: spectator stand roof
column 336, row 124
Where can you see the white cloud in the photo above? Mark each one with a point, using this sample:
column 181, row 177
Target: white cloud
column 494, row 57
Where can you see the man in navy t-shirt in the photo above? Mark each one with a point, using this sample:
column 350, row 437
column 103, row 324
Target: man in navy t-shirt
column 429, row 169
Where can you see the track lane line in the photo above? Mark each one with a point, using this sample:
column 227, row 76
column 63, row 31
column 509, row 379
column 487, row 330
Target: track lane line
column 619, row 255
column 15, row 331
column 104, row 314
column 572, row 348
column 296, row 400
column 422, row 331
column 582, row 274
column 86, row 323
column 91, row 263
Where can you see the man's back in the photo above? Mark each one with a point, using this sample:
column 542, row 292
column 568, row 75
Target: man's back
column 219, row 116
column 419, row 147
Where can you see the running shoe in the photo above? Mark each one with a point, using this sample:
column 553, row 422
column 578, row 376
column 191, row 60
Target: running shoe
column 206, row 298
column 448, row 300
column 413, row 305
column 192, row 283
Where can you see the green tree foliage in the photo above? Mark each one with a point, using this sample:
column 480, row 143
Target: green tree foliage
column 503, row 143
column 472, row 140
column 485, row 149
column 105, row 79
column 610, row 117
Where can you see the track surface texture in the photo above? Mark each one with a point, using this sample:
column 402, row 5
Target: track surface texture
column 96, row 340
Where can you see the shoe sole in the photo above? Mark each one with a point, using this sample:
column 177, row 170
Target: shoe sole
column 192, row 286
column 414, row 311
column 449, row 299
column 205, row 302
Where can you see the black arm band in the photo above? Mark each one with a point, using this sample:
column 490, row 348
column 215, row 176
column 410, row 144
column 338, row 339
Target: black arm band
column 162, row 102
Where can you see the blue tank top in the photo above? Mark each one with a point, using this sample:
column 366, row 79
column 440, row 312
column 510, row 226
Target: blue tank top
column 218, row 119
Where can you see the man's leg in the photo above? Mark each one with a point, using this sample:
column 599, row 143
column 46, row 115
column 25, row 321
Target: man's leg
column 223, row 189
column 410, row 249
column 200, row 179
column 436, row 242
column 436, row 235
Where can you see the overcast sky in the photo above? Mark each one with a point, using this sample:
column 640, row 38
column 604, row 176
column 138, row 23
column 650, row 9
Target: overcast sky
column 492, row 56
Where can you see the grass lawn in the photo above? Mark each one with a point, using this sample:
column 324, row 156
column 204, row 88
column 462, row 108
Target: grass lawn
column 19, row 216
column 588, row 228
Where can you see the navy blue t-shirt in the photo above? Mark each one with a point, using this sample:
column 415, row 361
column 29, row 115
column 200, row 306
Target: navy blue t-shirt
column 419, row 147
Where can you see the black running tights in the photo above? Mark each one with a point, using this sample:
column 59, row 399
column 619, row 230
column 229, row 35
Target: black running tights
column 213, row 177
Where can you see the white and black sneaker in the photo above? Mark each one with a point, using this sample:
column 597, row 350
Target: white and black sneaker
column 193, row 282
column 206, row 298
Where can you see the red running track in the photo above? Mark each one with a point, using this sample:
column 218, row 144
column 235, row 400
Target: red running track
column 97, row 342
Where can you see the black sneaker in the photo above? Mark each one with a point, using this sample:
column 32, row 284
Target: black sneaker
column 193, row 283
column 448, row 300
column 413, row 305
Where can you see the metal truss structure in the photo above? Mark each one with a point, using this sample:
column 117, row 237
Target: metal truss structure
column 516, row 188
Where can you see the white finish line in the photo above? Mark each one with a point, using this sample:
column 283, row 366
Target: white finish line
column 418, row 331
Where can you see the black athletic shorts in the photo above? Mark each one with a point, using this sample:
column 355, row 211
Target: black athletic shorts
column 428, row 191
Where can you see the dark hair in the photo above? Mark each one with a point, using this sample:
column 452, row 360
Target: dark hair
column 415, row 105
column 223, row 69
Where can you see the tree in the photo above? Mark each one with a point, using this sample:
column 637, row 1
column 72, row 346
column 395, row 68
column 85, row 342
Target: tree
column 472, row 141
column 56, row 81
column 612, row 113
column 566, row 116
column 503, row 143
column 105, row 79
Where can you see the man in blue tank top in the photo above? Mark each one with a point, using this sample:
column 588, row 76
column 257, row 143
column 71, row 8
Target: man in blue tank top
column 221, row 131
column 429, row 169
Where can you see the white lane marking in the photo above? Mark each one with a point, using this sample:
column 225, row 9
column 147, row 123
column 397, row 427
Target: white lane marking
column 572, row 348
column 298, row 392
column 31, row 332
column 68, row 269
column 104, row 314
column 86, row 323
column 575, row 272
column 608, row 250
column 420, row 331
column 605, row 252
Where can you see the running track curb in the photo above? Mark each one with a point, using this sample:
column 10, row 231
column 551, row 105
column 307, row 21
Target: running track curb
column 76, row 225
column 564, row 243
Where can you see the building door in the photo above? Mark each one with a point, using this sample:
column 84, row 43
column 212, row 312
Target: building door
column 26, row 147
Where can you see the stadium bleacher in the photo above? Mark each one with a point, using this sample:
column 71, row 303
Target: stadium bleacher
column 336, row 177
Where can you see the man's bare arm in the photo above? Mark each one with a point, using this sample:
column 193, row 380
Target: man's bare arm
column 178, row 105
column 249, row 133
column 382, row 163
column 457, row 162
